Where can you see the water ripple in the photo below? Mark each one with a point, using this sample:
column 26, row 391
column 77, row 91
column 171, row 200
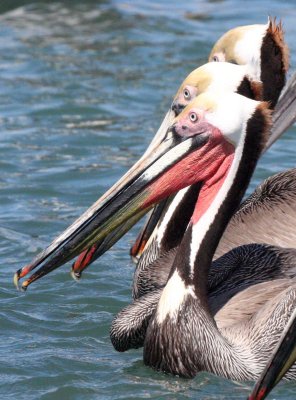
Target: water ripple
column 84, row 85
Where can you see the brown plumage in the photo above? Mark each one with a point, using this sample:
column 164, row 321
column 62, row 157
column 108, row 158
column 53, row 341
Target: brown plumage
column 182, row 336
column 235, row 268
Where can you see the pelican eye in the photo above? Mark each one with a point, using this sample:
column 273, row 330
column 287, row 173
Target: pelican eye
column 186, row 94
column 193, row 117
column 215, row 58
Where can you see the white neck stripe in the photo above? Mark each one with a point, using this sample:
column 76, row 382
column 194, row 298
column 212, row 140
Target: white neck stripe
column 200, row 229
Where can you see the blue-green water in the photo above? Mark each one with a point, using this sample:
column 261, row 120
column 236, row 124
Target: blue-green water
column 83, row 87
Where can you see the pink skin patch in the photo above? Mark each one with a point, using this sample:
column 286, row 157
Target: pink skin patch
column 192, row 123
column 212, row 185
column 208, row 164
column 188, row 93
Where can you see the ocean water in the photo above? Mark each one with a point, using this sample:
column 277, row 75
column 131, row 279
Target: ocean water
column 83, row 88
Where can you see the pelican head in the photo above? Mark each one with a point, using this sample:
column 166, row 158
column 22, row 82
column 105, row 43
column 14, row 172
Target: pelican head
column 263, row 49
column 224, row 77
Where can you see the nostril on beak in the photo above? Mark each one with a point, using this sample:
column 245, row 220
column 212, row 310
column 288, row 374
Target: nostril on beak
column 184, row 127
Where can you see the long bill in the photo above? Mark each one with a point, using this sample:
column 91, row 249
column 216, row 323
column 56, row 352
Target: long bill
column 143, row 237
column 132, row 196
column 283, row 117
column 280, row 362
column 98, row 249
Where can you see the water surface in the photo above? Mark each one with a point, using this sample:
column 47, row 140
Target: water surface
column 83, row 88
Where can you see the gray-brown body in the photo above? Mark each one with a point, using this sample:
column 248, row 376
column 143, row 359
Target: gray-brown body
column 257, row 247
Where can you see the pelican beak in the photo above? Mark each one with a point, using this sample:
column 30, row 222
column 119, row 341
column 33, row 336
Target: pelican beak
column 98, row 249
column 280, row 362
column 89, row 255
column 142, row 239
column 146, row 183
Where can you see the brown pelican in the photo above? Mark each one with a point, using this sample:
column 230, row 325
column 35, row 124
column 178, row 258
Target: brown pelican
column 279, row 363
column 182, row 337
column 237, row 263
column 267, row 53
column 216, row 140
